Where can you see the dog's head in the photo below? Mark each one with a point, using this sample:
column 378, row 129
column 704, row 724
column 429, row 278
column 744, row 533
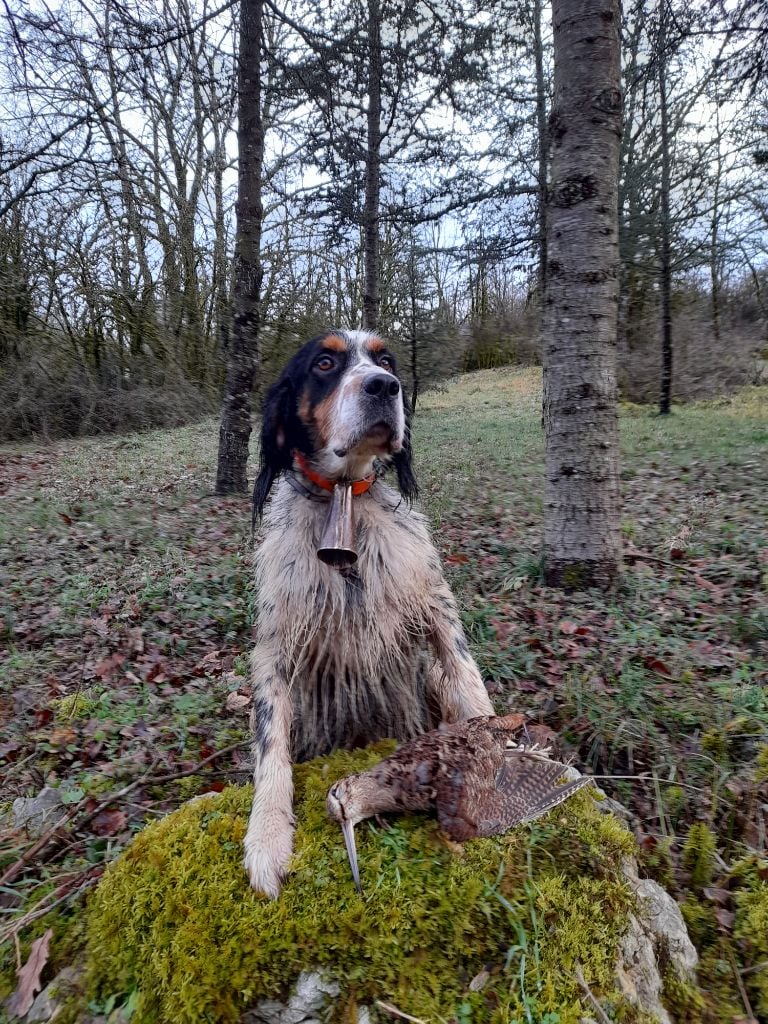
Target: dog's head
column 339, row 401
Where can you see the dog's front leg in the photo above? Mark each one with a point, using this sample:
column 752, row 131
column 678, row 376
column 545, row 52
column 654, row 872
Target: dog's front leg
column 455, row 678
column 269, row 839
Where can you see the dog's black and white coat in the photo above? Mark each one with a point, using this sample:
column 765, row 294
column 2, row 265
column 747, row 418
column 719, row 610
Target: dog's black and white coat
column 343, row 657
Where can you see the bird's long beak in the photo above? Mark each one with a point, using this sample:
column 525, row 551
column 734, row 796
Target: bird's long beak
column 349, row 840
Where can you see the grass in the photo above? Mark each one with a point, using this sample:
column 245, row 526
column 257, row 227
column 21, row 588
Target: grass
column 124, row 585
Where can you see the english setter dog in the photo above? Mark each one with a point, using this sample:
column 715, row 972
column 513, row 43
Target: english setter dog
column 349, row 655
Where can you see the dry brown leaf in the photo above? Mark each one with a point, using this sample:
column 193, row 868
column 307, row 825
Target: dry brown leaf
column 237, row 701
column 109, row 822
column 29, row 977
column 725, row 918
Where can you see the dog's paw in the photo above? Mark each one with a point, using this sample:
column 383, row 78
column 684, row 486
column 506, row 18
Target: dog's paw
column 268, row 851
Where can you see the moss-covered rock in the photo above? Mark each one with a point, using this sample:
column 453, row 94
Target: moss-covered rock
column 174, row 928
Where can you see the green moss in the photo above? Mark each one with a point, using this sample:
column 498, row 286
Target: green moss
column 657, row 862
column 714, row 743
column 723, row 951
column 174, row 926
column 74, row 705
column 761, row 765
column 700, row 921
column 684, row 1000
column 699, row 855
column 190, row 786
column 751, row 927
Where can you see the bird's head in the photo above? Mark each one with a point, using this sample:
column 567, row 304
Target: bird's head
column 349, row 801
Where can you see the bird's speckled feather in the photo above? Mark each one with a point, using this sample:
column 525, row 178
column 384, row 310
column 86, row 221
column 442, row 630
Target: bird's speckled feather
column 480, row 777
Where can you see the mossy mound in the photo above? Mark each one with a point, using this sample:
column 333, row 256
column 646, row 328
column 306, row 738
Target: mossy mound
column 174, row 930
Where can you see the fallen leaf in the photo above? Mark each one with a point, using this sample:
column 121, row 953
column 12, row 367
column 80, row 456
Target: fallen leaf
column 61, row 736
column 237, row 701
column 657, row 665
column 100, row 626
column 725, row 918
column 29, row 977
column 717, row 895
column 42, row 717
column 567, row 627
column 136, row 640
column 109, row 823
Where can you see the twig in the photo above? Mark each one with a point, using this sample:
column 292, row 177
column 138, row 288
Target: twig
column 14, row 768
column 114, row 797
column 753, row 968
column 36, row 848
column 602, row 1015
column 645, row 778
column 194, row 770
column 742, row 989
column 394, row 1012
column 13, row 929
column 640, row 556
column 147, row 779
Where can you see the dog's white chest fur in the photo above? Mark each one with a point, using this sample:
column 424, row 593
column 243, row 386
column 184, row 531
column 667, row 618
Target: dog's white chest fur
column 354, row 643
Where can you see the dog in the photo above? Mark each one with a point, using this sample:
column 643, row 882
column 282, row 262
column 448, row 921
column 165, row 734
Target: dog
column 344, row 656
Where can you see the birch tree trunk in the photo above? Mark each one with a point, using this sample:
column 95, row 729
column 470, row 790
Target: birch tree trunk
column 665, row 222
column 543, row 149
column 582, row 544
column 242, row 355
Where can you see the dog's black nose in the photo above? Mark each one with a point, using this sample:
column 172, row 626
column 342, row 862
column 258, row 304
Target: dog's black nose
column 382, row 384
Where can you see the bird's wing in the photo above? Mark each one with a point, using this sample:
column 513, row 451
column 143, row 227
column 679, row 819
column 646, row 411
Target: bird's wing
column 525, row 787
column 557, row 796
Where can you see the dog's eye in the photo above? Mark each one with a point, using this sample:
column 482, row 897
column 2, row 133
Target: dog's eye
column 387, row 363
column 325, row 363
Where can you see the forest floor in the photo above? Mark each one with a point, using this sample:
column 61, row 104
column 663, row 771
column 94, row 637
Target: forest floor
column 126, row 619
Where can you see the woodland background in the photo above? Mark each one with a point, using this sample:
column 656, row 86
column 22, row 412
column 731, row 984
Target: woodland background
column 118, row 185
column 416, row 147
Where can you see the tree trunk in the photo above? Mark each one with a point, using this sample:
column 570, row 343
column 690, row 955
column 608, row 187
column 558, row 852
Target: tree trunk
column 665, row 261
column 543, row 150
column 582, row 544
column 372, row 172
column 714, row 240
column 242, row 355
column 414, row 331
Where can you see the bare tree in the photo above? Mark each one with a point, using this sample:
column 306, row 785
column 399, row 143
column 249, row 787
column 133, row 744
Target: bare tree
column 243, row 352
column 582, row 545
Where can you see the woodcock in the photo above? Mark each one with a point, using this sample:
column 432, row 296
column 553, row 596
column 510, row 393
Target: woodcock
column 479, row 777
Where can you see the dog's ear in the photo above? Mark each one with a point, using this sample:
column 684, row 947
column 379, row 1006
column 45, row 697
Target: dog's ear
column 403, row 461
column 276, row 436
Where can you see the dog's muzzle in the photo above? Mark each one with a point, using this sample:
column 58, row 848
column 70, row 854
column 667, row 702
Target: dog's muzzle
column 381, row 385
